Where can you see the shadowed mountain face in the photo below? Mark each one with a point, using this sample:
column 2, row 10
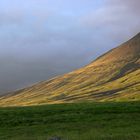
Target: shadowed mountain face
column 115, row 76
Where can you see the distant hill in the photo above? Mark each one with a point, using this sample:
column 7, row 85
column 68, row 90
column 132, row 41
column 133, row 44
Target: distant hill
column 114, row 76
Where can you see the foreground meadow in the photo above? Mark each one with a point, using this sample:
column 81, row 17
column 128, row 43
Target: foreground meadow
column 77, row 121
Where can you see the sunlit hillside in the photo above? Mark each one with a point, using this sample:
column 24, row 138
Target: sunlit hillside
column 115, row 76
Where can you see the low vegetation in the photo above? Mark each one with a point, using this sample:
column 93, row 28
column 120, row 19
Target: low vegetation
column 78, row 121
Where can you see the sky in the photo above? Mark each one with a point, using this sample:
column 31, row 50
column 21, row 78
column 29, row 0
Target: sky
column 40, row 39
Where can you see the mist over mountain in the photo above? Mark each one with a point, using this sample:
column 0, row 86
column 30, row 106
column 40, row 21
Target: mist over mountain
column 40, row 39
column 114, row 76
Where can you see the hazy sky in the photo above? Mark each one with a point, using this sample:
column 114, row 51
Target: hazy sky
column 40, row 39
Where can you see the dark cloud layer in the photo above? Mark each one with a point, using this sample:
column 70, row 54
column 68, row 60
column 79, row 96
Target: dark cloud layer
column 42, row 39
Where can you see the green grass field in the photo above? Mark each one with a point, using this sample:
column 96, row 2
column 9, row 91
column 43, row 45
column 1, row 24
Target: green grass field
column 79, row 121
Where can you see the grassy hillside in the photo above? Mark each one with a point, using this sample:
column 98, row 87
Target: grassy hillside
column 115, row 76
column 79, row 121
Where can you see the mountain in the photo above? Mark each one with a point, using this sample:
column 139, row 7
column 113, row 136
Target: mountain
column 114, row 76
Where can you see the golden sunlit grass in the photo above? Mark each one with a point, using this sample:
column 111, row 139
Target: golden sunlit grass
column 114, row 76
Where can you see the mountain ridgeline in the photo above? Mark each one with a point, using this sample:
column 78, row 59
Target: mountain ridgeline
column 114, row 76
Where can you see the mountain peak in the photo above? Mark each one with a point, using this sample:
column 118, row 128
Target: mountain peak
column 134, row 44
column 138, row 35
column 126, row 51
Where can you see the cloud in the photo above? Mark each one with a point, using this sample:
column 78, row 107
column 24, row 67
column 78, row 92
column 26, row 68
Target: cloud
column 131, row 5
column 42, row 39
column 117, row 19
column 12, row 18
column 30, row 54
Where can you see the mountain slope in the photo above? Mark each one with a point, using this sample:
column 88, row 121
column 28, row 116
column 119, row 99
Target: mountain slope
column 115, row 76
